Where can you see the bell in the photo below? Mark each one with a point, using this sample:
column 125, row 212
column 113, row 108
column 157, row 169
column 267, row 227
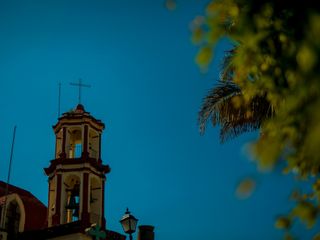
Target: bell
column 76, row 213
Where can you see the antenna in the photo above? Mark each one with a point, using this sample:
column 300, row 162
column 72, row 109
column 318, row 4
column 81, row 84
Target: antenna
column 3, row 215
column 59, row 99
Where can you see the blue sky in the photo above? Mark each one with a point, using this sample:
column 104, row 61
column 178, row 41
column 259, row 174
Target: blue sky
column 146, row 88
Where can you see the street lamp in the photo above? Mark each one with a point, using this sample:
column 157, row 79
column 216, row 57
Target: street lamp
column 129, row 223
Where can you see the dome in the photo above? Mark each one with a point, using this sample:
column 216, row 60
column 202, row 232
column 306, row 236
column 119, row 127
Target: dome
column 79, row 108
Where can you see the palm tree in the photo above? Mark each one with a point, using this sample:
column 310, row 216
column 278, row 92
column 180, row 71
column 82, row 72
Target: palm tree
column 224, row 106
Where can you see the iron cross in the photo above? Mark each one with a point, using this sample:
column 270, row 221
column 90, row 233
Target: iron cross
column 95, row 232
column 80, row 85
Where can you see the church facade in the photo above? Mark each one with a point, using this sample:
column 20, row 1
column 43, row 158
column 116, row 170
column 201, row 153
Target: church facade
column 76, row 185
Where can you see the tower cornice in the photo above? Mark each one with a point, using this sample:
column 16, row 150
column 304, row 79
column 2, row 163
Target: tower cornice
column 78, row 116
column 98, row 166
column 78, row 120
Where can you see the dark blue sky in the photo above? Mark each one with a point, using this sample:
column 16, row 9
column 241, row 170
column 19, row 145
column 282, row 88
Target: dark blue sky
column 139, row 59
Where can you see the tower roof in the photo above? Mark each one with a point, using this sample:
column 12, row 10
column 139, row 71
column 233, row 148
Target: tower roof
column 78, row 115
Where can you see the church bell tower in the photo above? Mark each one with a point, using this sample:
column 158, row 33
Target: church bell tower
column 77, row 176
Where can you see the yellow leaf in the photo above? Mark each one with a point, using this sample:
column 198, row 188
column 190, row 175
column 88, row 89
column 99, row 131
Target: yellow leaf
column 306, row 212
column 245, row 188
column 234, row 11
column 316, row 237
column 204, row 56
column 171, row 5
column 283, row 223
column 306, row 58
column 197, row 35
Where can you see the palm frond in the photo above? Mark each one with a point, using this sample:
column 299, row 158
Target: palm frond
column 248, row 117
column 219, row 106
column 214, row 101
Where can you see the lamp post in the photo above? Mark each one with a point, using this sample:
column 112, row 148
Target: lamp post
column 129, row 223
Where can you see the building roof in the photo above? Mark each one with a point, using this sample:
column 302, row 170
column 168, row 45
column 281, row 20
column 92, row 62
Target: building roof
column 63, row 230
column 35, row 210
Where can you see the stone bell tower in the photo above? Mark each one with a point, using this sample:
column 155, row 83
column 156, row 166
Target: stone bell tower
column 77, row 175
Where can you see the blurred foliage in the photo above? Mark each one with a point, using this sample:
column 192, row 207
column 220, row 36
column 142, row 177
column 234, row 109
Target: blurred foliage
column 270, row 80
column 245, row 188
column 170, row 4
column 316, row 237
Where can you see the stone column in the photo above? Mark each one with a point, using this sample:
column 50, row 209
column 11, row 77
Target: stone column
column 56, row 216
column 85, row 218
column 64, row 140
column 85, row 152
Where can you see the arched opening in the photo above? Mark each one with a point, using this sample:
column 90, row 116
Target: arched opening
column 72, row 198
column 59, row 136
column 52, row 199
column 95, row 200
column 74, row 142
column 94, row 144
column 13, row 215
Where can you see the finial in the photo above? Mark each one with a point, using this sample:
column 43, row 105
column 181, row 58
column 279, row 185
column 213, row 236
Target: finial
column 127, row 212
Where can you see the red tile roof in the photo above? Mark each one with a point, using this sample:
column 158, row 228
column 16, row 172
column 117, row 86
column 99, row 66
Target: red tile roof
column 35, row 210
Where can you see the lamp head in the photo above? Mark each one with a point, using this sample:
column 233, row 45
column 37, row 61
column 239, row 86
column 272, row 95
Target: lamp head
column 128, row 222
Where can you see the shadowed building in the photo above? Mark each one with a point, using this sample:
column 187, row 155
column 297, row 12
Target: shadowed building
column 24, row 212
column 76, row 188
column 77, row 178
